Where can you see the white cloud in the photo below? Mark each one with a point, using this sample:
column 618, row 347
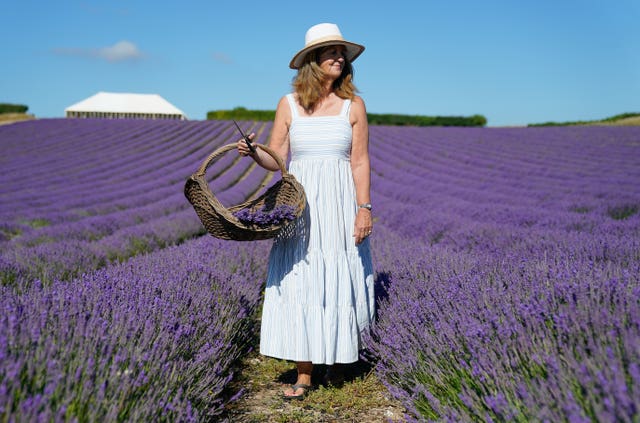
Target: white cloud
column 122, row 51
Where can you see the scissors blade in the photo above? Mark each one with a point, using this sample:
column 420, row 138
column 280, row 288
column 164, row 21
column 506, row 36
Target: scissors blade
column 246, row 138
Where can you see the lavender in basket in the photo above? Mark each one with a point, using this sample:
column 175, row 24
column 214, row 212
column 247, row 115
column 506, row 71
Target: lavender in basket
column 263, row 217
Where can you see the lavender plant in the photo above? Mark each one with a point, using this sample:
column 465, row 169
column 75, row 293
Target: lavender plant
column 153, row 339
column 109, row 190
column 518, row 297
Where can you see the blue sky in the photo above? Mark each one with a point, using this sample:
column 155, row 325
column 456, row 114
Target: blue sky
column 515, row 62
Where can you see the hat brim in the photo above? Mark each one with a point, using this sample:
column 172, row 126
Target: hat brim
column 353, row 50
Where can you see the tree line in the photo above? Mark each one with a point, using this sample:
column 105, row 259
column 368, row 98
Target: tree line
column 13, row 108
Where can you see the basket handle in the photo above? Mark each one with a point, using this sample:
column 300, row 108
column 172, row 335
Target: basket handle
column 220, row 151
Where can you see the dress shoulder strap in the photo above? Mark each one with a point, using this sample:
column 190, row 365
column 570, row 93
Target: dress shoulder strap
column 346, row 107
column 292, row 105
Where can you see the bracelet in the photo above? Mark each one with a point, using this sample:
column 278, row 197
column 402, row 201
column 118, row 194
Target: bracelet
column 365, row 206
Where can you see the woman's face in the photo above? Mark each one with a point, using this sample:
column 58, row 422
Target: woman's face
column 331, row 60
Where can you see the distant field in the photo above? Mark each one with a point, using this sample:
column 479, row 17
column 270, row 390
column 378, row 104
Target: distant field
column 623, row 119
column 6, row 118
column 630, row 121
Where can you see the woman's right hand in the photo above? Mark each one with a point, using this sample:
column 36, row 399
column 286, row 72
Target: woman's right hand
column 243, row 148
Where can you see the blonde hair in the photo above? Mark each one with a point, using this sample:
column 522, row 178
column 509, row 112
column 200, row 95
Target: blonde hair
column 309, row 82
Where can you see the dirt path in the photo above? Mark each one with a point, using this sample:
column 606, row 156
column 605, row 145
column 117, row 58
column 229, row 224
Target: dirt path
column 362, row 398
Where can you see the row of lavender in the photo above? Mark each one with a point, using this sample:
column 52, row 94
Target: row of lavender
column 510, row 258
column 78, row 194
column 511, row 261
column 154, row 338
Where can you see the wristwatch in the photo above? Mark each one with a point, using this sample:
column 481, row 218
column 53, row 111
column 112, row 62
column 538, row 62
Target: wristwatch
column 365, row 206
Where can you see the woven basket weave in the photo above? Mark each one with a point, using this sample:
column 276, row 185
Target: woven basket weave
column 220, row 222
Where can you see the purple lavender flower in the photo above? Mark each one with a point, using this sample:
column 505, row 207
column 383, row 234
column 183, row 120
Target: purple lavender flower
column 266, row 217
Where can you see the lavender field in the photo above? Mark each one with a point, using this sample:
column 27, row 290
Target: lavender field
column 507, row 263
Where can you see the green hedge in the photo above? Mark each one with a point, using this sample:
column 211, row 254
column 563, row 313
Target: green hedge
column 417, row 120
column 13, row 108
column 241, row 113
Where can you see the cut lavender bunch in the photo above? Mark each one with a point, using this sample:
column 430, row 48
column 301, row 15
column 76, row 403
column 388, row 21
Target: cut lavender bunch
column 266, row 217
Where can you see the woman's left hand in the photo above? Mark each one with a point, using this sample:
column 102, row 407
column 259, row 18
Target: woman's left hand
column 363, row 225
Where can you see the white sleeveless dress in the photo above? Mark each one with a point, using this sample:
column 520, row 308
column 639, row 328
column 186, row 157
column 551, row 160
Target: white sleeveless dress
column 319, row 292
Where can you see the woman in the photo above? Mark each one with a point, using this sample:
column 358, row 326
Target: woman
column 319, row 292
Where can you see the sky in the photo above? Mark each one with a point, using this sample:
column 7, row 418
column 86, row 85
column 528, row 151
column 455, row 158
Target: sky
column 515, row 62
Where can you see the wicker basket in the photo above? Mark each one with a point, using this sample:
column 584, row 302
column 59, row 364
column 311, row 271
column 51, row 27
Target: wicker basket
column 220, row 221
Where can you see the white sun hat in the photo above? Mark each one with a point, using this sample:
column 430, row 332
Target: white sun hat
column 321, row 35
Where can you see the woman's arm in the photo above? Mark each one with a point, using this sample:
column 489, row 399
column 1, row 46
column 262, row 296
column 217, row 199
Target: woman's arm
column 279, row 141
column 361, row 168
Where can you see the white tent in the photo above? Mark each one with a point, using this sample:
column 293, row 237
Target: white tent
column 124, row 106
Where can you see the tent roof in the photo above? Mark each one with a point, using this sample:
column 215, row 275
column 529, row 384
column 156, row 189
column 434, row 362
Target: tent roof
column 125, row 103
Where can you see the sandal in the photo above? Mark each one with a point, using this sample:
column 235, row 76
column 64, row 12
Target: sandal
column 305, row 389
